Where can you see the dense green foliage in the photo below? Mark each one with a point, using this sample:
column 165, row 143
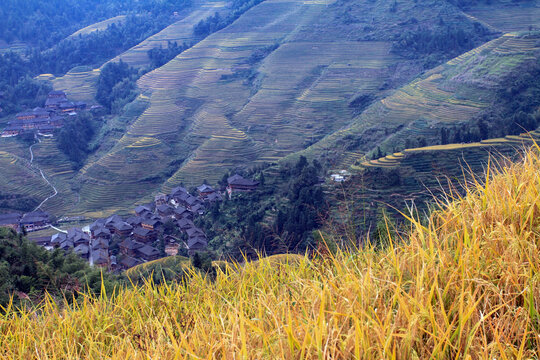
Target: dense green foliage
column 74, row 138
column 28, row 270
column 44, row 23
column 160, row 56
column 116, row 86
column 277, row 218
column 441, row 43
column 99, row 46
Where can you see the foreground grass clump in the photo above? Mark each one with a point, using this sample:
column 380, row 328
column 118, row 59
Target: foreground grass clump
column 465, row 285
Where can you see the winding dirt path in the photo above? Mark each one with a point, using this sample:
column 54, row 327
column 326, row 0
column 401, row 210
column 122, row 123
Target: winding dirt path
column 42, row 175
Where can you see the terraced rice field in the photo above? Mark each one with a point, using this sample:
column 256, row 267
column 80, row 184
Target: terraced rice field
column 79, row 84
column 59, row 172
column 99, row 26
column 414, row 110
column 509, row 18
column 181, row 31
column 20, row 180
column 410, row 157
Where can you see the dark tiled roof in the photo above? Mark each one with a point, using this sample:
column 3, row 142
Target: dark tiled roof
column 36, row 216
column 205, row 188
column 165, row 209
column 177, row 190
column 185, row 223
column 11, row 218
column 139, row 209
column 151, row 222
column 197, row 243
column 140, row 231
column 134, row 220
column 102, row 231
column 128, row 262
column 195, row 231
column 100, row 243
column 148, row 250
column 81, row 249
column 122, row 226
column 130, row 244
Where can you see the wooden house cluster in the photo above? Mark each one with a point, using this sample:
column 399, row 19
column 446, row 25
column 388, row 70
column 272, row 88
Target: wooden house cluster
column 32, row 221
column 44, row 120
column 137, row 237
column 92, row 247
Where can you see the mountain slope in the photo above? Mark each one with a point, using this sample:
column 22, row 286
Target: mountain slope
column 448, row 96
column 461, row 284
column 268, row 85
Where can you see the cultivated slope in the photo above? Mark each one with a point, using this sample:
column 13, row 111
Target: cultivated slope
column 461, row 285
column 279, row 78
column 451, row 94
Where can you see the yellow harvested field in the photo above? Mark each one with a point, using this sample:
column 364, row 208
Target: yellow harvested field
column 79, row 84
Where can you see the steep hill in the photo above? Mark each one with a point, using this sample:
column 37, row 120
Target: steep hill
column 450, row 96
column 268, row 85
column 282, row 77
column 461, row 284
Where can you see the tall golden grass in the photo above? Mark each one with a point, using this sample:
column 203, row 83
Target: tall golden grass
column 464, row 286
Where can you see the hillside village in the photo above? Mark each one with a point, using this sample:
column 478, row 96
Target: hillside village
column 44, row 120
column 157, row 229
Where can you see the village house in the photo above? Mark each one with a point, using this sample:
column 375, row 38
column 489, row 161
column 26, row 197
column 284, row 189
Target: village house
column 194, row 231
column 161, row 199
column 78, row 237
column 82, row 250
column 151, row 224
column 182, row 213
column 144, row 235
column 198, row 209
column 205, row 190
column 122, row 228
column 134, row 221
column 128, row 262
column 239, row 183
column 142, row 210
column 148, row 253
column 195, row 244
column 213, row 197
column 66, row 245
column 100, row 243
column 99, row 257
column 171, row 249
column 96, row 225
column 10, row 220
column 184, row 224
column 58, row 239
column 35, row 220
column 165, row 210
column 101, row 233
column 129, row 247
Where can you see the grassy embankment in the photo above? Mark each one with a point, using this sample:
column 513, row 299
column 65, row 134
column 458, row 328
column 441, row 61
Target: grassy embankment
column 461, row 285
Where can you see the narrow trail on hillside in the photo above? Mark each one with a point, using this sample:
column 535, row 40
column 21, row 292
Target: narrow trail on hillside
column 42, row 175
